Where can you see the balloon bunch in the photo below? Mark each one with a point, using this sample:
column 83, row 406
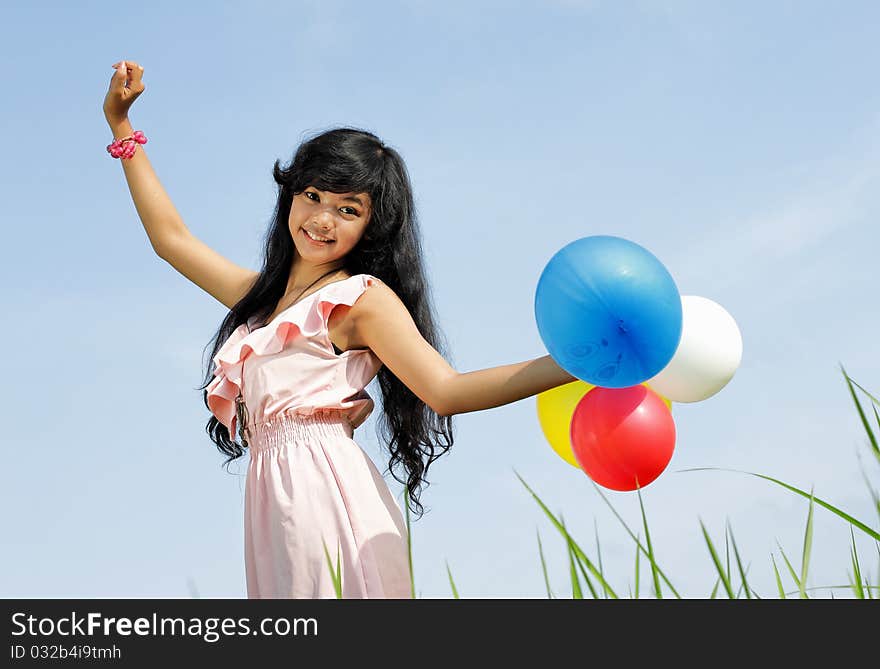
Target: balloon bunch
column 611, row 315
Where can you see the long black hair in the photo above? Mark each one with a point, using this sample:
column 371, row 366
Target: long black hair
column 345, row 160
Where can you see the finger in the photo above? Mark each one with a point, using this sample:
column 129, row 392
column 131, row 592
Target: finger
column 120, row 77
column 137, row 72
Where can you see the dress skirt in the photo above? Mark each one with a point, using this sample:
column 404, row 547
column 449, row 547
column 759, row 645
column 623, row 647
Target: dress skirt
column 309, row 482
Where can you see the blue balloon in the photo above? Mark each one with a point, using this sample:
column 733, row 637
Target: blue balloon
column 608, row 311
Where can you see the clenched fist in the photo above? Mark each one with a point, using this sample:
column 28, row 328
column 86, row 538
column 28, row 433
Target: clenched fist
column 125, row 86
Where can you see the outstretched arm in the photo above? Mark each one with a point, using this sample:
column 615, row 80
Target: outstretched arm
column 171, row 239
column 495, row 386
column 382, row 322
column 158, row 214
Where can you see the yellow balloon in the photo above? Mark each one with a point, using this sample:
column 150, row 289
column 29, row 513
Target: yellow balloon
column 555, row 410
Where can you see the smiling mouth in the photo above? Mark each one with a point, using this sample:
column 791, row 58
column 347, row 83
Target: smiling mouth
column 316, row 241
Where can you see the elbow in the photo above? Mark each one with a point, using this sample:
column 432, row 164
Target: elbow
column 443, row 412
column 161, row 250
column 442, row 407
column 444, row 404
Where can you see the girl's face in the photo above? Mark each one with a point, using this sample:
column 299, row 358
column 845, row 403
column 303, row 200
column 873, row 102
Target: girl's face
column 338, row 217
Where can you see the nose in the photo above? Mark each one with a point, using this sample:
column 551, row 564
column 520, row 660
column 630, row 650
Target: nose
column 323, row 219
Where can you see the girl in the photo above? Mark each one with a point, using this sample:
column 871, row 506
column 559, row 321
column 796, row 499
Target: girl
column 341, row 298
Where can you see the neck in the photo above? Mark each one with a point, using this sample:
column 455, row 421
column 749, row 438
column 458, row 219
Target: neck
column 302, row 276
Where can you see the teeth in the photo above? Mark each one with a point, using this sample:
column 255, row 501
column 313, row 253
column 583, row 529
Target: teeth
column 317, row 239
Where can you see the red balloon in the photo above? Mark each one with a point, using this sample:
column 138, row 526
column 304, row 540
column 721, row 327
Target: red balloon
column 623, row 438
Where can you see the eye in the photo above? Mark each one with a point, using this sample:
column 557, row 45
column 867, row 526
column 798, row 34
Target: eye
column 351, row 210
column 309, row 194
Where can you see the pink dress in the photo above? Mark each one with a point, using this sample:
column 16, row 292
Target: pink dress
column 307, row 479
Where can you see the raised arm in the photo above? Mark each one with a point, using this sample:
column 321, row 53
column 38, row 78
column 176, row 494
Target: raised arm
column 170, row 238
column 381, row 322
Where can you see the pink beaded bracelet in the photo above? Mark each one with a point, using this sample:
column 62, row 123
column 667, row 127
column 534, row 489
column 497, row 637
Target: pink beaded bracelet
column 126, row 146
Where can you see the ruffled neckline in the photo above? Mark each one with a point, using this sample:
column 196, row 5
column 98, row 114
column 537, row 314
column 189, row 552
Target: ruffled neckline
column 298, row 302
column 269, row 339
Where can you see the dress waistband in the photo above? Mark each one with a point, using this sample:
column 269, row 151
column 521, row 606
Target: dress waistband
column 288, row 425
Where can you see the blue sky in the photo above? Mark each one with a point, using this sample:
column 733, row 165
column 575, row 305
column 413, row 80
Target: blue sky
column 738, row 142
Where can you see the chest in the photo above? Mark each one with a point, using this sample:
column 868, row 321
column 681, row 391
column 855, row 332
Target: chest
column 340, row 329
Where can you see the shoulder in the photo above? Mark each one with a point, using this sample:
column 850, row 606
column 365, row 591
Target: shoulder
column 379, row 311
column 377, row 299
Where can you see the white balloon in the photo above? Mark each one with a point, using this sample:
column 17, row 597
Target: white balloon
column 707, row 356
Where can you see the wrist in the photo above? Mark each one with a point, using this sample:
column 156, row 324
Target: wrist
column 120, row 127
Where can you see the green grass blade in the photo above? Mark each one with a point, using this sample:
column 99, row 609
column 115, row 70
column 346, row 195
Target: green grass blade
column 808, row 543
column 727, row 560
column 451, row 582
column 638, row 543
column 334, row 573
column 578, row 562
column 742, row 572
column 589, row 583
column 801, row 589
column 564, row 532
column 864, row 419
column 544, row 565
column 576, row 592
column 875, row 497
column 848, row 586
column 877, row 418
column 584, row 564
column 412, row 579
column 778, row 579
column 857, row 571
column 638, row 570
column 864, row 528
column 587, row 580
column 875, row 402
column 657, row 591
column 718, row 566
column 715, row 589
column 599, row 553
column 744, row 586
column 338, row 567
column 634, row 538
column 877, row 544
column 853, row 381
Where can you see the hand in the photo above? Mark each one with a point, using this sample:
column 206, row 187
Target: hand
column 125, row 87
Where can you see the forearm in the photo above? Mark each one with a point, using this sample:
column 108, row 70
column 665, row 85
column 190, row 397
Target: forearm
column 157, row 213
column 496, row 386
